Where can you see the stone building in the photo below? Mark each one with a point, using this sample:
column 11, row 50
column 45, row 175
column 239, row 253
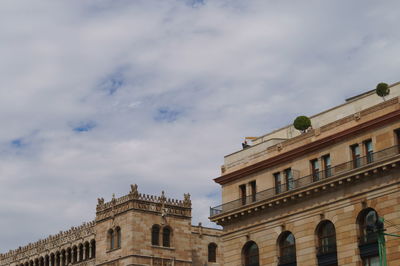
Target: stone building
column 304, row 199
column 135, row 229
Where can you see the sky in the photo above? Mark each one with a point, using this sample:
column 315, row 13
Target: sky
column 97, row 95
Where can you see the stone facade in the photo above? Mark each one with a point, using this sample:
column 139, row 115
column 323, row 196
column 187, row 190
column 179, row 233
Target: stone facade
column 303, row 199
column 122, row 234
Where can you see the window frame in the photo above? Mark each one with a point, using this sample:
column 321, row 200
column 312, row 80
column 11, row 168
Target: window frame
column 166, row 236
column 155, row 235
column 212, row 252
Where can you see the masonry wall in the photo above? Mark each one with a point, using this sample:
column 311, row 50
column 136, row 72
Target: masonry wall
column 341, row 207
column 201, row 238
column 136, row 247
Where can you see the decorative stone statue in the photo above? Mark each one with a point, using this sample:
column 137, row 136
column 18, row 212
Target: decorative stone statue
column 100, row 201
column 134, row 191
column 186, row 200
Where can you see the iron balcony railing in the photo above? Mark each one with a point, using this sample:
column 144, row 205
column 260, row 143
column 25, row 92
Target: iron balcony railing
column 306, row 180
column 288, row 259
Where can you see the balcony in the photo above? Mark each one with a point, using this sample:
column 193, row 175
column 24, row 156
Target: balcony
column 326, row 255
column 303, row 182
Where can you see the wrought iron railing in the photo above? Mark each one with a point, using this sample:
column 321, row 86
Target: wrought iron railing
column 306, row 180
column 287, row 259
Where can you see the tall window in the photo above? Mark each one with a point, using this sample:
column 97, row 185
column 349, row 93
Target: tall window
column 326, row 161
column 397, row 140
column 315, row 169
column 155, row 235
column 367, row 235
column 327, row 238
column 74, row 254
column 166, row 237
column 242, row 189
column 369, row 150
column 93, row 244
column 87, row 250
column 368, row 240
column 118, row 237
column 278, row 182
column 355, row 154
column 212, row 252
column 250, row 254
column 289, row 179
column 111, row 239
column 287, row 248
column 253, row 188
column 326, row 254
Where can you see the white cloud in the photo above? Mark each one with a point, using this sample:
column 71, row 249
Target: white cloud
column 220, row 70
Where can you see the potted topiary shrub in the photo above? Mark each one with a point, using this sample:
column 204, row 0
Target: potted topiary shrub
column 382, row 90
column 302, row 123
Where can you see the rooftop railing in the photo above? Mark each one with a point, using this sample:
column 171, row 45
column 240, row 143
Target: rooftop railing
column 330, row 172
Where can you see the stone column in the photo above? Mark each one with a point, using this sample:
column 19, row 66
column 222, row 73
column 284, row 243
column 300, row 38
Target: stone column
column 84, row 252
column 72, row 256
column 78, row 253
column 62, row 260
column 90, row 250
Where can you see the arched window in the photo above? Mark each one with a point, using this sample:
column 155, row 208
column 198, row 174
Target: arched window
column 166, row 236
column 366, row 235
column 69, row 255
column 118, row 237
column 250, row 254
column 155, row 235
column 111, row 239
column 80, row 252
column 52, row 259
column 287, row 249
column 58, row 261
column 87, row 251
column 74, row 254
column 63, row 257
column 326, row 234
column 93, row 250
column 368, row 238
column 326, row 238
column 212, row 252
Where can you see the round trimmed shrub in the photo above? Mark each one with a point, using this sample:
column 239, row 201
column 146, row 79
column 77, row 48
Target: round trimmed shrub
column 302, row 123
column 382, row 89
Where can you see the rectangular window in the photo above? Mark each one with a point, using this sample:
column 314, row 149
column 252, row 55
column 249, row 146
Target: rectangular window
column 315, row 169
column 243, row 195
column 355, row 154
column 326, row 161
column 397, row 140
column 369, row 151
column 278, row 182
column 289, row 179
column 253, row 190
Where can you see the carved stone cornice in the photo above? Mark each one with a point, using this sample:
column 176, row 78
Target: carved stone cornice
column 72, row 235
column 137, row 201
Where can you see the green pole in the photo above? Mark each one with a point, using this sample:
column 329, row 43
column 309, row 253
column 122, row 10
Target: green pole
column 382, row 246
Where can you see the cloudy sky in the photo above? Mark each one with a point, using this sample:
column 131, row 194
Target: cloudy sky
column 97, row 95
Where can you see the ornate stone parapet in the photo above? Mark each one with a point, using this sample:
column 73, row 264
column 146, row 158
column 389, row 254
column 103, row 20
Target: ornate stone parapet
column 136, row 200
column 52, row 242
